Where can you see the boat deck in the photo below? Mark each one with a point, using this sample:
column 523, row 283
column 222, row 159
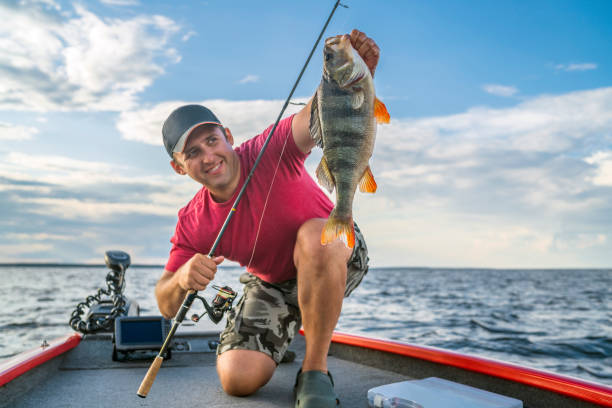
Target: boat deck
column 86, row 376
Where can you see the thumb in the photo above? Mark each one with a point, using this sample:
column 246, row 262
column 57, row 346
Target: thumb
column 218, row 259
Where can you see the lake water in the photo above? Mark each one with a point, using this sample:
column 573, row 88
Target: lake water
column 557, row 320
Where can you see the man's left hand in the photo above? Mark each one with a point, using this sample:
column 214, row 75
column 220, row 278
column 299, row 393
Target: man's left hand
column 367, row 49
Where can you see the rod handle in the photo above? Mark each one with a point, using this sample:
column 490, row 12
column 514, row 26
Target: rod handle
column 147, row 382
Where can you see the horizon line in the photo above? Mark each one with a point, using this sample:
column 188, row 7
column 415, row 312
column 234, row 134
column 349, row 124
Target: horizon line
column 100, row 265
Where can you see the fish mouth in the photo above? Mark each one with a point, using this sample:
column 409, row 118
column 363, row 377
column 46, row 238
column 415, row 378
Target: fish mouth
column 355, row 80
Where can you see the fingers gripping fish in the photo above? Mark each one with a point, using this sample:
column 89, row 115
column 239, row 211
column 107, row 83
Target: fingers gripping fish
column 343, row 121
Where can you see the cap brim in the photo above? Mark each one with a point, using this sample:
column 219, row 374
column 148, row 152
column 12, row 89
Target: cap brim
column 180, row 145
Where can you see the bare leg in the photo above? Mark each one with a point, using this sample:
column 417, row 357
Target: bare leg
column 242, row 372
column 321, row 281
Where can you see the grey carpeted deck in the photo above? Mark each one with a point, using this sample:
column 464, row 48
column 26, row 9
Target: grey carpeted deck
column 88, row 377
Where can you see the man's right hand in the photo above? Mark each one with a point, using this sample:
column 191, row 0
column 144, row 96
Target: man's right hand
column 197, row 272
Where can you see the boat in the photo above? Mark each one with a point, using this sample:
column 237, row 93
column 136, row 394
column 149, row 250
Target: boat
column 78, row 370
column 104, row 368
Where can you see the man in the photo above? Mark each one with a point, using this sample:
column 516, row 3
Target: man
column 275, row 232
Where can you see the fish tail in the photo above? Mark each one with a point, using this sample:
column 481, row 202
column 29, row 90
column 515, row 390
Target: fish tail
column 338, row 228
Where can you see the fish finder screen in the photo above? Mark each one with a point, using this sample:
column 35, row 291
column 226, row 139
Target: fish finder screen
column 141, row 332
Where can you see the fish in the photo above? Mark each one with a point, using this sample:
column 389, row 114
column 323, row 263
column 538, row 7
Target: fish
column 343, row 117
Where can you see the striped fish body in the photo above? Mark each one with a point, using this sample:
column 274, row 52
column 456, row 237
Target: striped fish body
column 343, row 123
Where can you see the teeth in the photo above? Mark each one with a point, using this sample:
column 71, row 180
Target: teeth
column 215, row 168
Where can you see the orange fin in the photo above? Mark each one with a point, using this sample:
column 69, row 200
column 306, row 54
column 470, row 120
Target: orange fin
column 326, row 179
column 336, row 228
column 367, row 183
column 380, row 112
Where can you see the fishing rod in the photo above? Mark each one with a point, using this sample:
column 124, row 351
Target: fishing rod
column 227, row 295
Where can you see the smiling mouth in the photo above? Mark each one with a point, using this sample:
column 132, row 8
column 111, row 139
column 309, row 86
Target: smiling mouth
column 214, row 168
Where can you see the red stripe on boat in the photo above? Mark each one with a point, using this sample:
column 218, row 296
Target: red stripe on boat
column 24, row 362
column 572, row 387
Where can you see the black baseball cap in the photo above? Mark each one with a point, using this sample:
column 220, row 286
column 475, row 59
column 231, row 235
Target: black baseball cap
column 181, row 122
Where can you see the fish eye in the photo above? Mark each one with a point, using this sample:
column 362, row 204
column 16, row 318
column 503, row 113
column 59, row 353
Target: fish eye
column 328, row 56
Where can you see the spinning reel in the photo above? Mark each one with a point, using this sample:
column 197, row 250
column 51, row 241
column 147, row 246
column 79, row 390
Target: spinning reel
column 220, row 304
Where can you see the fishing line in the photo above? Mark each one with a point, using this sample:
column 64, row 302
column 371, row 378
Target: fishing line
column 287, row 102
column 265, row 145
column 263, row 212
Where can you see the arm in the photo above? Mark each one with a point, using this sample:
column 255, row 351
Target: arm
column 300, row 127
column 172, row 287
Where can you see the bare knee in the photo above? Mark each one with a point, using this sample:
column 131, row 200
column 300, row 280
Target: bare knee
column 242, row 372
column 309, row 250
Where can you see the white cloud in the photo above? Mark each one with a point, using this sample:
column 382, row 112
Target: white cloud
column 565, row 242
column 93, row 190
column 485, row 187
column 120, row 2
column 14, row 132
column 43, row 236
column 244, row 118
column 543, row 124
column 187, row 36
column 587, row 66
column 249, row 79
column 87, row 62
column 500, row 90
column 8, row 252
column 72, row 208
column 495, row 185
column 603, row 162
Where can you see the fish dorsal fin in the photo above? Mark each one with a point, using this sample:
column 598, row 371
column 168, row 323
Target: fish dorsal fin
column 380, row 112
column 326, row 179
column 367, row 183
column 357, row 98
column 315, row 123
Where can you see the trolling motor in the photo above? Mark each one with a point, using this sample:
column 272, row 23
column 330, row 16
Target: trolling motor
column 107, row 304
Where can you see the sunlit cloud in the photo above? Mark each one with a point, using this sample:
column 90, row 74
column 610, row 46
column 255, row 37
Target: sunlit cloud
column 245, row 118
column 16, row 133
column 88, row 62
column 603, row 163
column 488, row 184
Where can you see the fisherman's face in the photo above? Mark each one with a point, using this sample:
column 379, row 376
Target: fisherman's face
column 209, row 159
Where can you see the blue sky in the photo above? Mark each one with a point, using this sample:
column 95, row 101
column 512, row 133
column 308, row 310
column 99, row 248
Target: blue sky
column 499, row 151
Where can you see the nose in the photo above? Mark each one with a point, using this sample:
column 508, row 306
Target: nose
column 208, row 155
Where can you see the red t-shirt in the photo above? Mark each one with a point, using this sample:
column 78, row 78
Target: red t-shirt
column 294, row 199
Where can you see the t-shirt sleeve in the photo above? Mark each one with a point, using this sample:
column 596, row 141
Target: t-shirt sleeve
column 181, row 251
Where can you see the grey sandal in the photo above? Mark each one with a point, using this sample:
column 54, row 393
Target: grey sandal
column 314, row 389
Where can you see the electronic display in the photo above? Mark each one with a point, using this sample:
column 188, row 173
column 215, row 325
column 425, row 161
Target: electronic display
column 140, row 332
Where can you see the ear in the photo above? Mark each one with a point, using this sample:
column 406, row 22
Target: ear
column 229, row 136
column 177, row 167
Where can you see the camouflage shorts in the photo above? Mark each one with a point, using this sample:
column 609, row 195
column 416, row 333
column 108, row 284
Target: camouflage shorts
column 267, row 316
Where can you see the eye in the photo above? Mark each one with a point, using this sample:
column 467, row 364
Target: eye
column 328, row 56
column 190, row 153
